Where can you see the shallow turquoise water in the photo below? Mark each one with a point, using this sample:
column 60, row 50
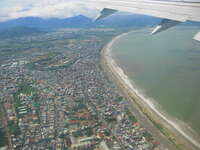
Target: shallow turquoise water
column 165, row 67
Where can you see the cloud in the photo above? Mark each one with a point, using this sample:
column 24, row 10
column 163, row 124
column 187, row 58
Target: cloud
column 48, row 8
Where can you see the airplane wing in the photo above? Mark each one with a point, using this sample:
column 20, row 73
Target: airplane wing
column 172, row 11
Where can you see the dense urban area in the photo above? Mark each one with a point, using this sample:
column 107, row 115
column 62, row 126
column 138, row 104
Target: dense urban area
column 56, row 95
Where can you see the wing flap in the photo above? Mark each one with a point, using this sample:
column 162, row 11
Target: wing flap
column 164, row 25
column 105, row 13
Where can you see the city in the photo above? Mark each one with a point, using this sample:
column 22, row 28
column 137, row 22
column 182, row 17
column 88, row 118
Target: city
column 56, row 95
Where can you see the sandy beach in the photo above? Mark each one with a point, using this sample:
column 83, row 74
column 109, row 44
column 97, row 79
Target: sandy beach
column 172, row 134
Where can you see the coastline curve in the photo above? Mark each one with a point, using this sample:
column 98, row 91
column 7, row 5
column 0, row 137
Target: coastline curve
column 141, row 100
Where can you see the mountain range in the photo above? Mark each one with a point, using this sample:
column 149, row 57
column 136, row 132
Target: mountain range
column 30, row 25
column 80, row 22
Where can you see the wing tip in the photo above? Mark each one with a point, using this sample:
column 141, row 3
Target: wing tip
column 164, row 25
column 197, row 37
column 156, row 30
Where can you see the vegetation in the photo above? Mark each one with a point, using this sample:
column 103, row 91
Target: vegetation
column 49, row 62
column 79, row 100
column 18, row 32
column 131, row 117
column 111, row 120
column 164, row 132
column 78, row 107
column 24, row 88
column 107, row 132
column 62, row 136
column 14, row 128
column 89, row 132
column 148, row 136
column 3, row 138
column 77, row 134
column 119, row 99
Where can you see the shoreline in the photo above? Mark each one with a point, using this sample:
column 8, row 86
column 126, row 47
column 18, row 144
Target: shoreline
column 170, row 129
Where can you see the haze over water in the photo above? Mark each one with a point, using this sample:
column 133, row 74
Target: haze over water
column 166, row 68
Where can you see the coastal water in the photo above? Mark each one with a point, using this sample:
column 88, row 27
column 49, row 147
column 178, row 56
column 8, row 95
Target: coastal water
column 165, row 68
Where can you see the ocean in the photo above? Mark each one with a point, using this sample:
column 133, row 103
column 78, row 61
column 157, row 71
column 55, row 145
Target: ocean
column 165, row 68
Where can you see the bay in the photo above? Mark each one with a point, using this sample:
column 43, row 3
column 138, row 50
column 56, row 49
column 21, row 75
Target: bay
column 166, row 68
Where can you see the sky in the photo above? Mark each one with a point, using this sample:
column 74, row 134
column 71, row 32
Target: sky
column 12, row 9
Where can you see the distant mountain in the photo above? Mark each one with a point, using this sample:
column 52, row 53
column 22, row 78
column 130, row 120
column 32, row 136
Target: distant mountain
column 116, row 21
column 130, row 20
column 51, row 23
column 18, row 32
column 80, row 22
